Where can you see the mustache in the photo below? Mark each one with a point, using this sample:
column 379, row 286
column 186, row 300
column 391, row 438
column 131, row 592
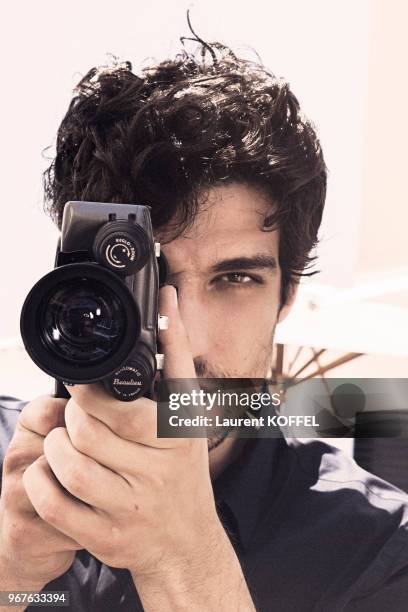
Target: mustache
column 204, row 370
column 226, row 380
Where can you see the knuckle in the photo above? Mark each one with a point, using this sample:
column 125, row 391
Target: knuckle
column 18, row 533
column 53, row 442
column 48, row 510
column 43, row 414
column 53, row 437
column 27, row 477
column 111, row 546
column 15, row 459
column 12, row 491
column 74, row 479
column 31, row 473
column 82, row 437
column 80, row 432
column 49, row 415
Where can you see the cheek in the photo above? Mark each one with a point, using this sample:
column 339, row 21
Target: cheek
column 247, row 311
column 243, row 332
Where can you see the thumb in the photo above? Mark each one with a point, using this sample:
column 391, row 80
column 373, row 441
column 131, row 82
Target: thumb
column 178, row 359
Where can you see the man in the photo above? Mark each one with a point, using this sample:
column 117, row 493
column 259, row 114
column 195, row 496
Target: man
column 92, row 501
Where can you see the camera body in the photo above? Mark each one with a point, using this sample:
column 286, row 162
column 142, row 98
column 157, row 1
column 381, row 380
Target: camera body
column 95, row 316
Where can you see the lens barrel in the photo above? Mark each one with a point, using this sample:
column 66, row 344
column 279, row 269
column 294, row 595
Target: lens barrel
column 80, row 323
column 135, row 377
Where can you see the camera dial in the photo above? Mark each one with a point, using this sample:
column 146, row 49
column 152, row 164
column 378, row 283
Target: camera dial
column 122, row 246
column 134, row 378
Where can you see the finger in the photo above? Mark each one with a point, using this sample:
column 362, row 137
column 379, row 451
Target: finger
column 43, row 414
column 34, row 423
column 179, row 371
column 178, row 360
column 83, row 477
column 94, row 439
column 14, row 497
column 24, row 448
column 57, row 507
column 94, row 420
column 41, row 532
column 130, row 420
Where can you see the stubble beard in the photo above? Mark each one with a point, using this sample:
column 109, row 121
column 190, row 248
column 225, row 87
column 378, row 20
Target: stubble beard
column 215, row 436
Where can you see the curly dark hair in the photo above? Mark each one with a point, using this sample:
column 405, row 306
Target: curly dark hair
column 165, row 136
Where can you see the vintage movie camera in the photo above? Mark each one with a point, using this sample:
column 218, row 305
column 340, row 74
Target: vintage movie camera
column 95, row 316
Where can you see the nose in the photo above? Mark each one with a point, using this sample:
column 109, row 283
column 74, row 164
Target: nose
column 195, row 314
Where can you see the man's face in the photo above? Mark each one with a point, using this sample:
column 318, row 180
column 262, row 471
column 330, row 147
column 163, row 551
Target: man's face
column 228, row 278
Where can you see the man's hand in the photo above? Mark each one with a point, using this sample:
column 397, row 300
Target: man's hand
column 134, row 500
column 131, row 499
column 32, row 552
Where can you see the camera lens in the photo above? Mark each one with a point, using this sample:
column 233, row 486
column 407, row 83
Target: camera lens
column 83, row 321
column 80, row 323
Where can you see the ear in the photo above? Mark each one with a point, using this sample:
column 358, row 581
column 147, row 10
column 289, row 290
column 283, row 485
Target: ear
column 287, row 307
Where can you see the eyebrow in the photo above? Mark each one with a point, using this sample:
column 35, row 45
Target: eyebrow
column 255, row 262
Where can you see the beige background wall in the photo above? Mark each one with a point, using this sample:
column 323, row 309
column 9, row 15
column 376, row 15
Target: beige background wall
column 383, row 243
column 345, row 60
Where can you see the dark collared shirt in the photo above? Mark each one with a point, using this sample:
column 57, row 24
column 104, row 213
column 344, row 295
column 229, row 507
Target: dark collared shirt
column 312, row 531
